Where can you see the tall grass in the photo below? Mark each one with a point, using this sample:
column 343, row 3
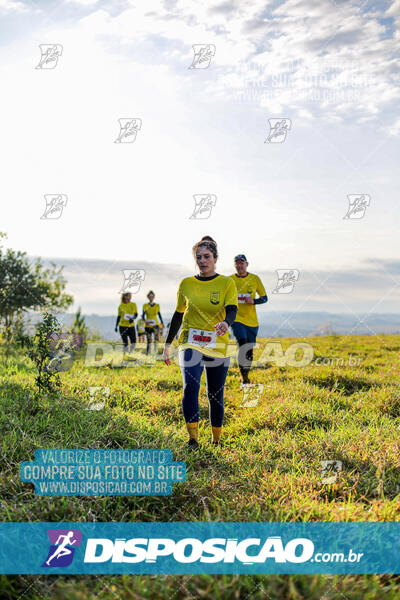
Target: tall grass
column 268, row 469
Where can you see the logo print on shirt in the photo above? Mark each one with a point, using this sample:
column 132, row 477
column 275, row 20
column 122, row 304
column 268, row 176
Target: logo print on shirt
column 214, row 297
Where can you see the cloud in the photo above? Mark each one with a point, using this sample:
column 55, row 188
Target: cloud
column 82, row 2
column 7, row 6
column 344, row 66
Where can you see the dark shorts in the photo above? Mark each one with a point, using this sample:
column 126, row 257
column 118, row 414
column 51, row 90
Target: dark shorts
column 244, row 333
column 128, row 333
column 150, row 330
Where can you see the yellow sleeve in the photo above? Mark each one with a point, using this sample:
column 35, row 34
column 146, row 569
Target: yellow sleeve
column 120, row 311
column 231, row 294
column 134, row 307
column 181, row 299
column 260, row 288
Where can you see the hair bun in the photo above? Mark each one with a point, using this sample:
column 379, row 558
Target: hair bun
column 209, row 243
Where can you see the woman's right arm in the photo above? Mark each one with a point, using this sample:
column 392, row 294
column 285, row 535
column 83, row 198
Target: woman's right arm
column 176, row 322
column 116, row 324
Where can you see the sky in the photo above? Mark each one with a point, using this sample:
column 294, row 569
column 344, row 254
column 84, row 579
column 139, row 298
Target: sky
column 327, row 70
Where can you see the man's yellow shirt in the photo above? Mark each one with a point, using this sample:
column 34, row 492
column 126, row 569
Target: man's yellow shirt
column 151, row 313
column 129, row 308
column 248, row 286
column 203, row 304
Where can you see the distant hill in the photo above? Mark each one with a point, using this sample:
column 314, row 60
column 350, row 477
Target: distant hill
column 285, row 324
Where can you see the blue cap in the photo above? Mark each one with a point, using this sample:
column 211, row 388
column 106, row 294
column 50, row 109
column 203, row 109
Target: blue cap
column 240, row 257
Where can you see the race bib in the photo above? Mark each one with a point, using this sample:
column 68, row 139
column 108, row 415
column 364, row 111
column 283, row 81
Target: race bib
column 200, row 337
column 127, row 317
column 151, row 322
column 241, row 298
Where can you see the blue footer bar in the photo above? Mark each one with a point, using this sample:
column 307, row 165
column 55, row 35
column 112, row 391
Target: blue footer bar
column 180, row 548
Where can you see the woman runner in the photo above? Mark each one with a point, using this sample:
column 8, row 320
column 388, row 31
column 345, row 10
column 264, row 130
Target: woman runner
column 127, row 313
column 245, row 327
column 206, row 307
column 151, row 314
column 140, row 324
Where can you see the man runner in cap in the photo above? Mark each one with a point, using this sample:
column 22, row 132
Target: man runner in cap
column 245, row 327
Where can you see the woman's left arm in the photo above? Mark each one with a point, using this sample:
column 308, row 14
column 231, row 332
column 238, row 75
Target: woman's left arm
column 230, row 315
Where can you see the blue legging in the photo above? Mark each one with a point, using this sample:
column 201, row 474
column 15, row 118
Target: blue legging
column 192, row 363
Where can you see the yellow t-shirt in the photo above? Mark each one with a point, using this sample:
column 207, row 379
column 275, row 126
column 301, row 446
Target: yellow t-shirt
column 203, row 304
column 140, row 326
column 150, row 313
column 129, row 308
column 249, row 285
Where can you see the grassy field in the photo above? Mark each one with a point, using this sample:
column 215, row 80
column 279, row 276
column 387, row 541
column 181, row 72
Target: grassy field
column 269, row 468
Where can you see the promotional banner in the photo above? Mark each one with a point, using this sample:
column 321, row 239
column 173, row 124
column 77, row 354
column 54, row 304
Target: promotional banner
column 106, row 548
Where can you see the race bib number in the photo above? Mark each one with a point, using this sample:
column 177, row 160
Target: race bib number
column 241, row 298
column 151, row 323
column 127, row 317
column 200, row 337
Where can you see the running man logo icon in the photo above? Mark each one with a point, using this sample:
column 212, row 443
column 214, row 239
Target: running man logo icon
column 203, row 54
column 55, row 203
column 278, row 129
column 203, row 205
column 357, row 206
column 286, row 280
column 61, row 551
column 132, row 280
column 100, row 394
column 49, row 56
column 128, row 129
column 251, row 394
